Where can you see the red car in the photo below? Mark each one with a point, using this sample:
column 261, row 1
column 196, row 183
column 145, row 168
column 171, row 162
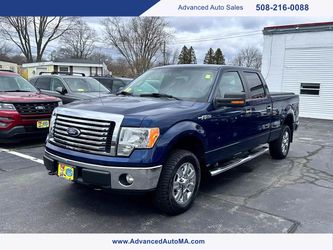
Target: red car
column 24, row 112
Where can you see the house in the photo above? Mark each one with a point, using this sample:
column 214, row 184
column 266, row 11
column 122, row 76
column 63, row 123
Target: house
column 5, row 65
column 88, row 67
column 299, row 58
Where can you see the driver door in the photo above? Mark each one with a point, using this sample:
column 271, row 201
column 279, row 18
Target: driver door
column 227, row 125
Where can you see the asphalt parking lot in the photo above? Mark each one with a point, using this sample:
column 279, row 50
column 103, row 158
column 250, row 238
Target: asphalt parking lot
column 261, row 196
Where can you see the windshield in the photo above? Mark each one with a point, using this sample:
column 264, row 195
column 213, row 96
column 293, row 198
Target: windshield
column 183, row 83
column 15, row 83
column 85, row 84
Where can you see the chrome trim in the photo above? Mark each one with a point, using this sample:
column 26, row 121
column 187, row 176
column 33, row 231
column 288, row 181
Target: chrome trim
column 82, row 135
column 85, row 131
column 84, row 121
column 80, row 125
column 231, row 165
column 145, row 178
column 97, row 143
column 105, row 120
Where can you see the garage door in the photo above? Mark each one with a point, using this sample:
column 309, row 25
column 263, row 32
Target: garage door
column 309, row 72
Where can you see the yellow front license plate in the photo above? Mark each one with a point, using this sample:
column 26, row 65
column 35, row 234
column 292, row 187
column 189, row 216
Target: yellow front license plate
column 43, row 124
column 66, row 171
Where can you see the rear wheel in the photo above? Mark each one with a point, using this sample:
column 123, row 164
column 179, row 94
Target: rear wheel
column 179, row 182
column 279, row 148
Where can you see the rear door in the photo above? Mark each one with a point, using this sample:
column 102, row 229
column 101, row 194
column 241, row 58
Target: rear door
column 260, row 108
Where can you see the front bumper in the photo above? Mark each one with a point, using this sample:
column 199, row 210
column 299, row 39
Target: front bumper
column 22, row 132
column 145, row 178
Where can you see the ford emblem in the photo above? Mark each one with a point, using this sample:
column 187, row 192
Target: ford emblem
column 40, row 107
column 73, row 132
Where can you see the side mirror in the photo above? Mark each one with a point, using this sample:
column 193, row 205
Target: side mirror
column 61, row 90
column 230, row 100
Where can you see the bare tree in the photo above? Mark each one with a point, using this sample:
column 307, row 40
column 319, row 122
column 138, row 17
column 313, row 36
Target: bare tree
column 171, row 56
column 5, row 51
column 79, row 43
column 34, row 33
column 248, row 57
column 138, row 40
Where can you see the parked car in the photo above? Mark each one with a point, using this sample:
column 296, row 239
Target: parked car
column 167, row 128
column 69, row 87
column 24, row 112
column 114, row 84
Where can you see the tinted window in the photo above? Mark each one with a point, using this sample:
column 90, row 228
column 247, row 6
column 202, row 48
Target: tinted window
column 56, row 83
column 230, row 83
column 44, row 83
column 106, row 82
column 117, row 84
column 255, row 85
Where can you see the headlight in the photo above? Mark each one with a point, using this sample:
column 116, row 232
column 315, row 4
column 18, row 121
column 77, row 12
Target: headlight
column 60, row 103
column 7, row 106
column 131, row 138
column 53, row 118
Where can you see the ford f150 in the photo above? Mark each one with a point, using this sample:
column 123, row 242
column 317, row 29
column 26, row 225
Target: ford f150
column 170, row 126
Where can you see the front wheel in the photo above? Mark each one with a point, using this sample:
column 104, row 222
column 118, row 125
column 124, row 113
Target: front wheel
column 279, row 148
column 179, row 182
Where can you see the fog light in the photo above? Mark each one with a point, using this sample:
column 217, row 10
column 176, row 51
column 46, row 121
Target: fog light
column 3, row 125
column 129, row 179
column 126, row 179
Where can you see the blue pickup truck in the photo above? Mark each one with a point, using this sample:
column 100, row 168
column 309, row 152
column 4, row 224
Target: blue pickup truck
column 168, row 128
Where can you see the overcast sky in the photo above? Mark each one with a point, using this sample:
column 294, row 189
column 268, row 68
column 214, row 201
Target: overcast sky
column 228, row 33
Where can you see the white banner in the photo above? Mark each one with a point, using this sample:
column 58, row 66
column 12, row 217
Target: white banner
column 166, row 241
column 315, row 8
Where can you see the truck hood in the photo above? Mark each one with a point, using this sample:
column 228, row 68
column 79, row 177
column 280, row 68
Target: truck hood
column 137, row 106
column 26, row 97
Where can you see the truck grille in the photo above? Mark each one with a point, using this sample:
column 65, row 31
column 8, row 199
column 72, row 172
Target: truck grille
column 35, row 108
column 93, row 136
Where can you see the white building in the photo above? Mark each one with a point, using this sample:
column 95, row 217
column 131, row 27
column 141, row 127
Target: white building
column 88, row 67
column 8, row 66
column 299, row 59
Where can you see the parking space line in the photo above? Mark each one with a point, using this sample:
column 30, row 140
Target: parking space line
column 28, row 157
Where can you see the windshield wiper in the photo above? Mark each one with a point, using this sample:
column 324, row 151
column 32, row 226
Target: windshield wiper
column 17, row 90
column 124, row 93
column 158, row 95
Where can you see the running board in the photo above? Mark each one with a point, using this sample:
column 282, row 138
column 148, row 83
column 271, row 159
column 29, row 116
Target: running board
column 236, row 162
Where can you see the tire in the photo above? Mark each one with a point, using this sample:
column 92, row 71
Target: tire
column 279, row 148
column 179, row 183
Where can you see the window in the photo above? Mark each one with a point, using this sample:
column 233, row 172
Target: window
column 187, row 83
column 255, row 85
column 117, row 84
column 44, row 83
column 63, row 68
column 230, row 83
column 106, row 82
column 310, row 88
column 56, row 83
